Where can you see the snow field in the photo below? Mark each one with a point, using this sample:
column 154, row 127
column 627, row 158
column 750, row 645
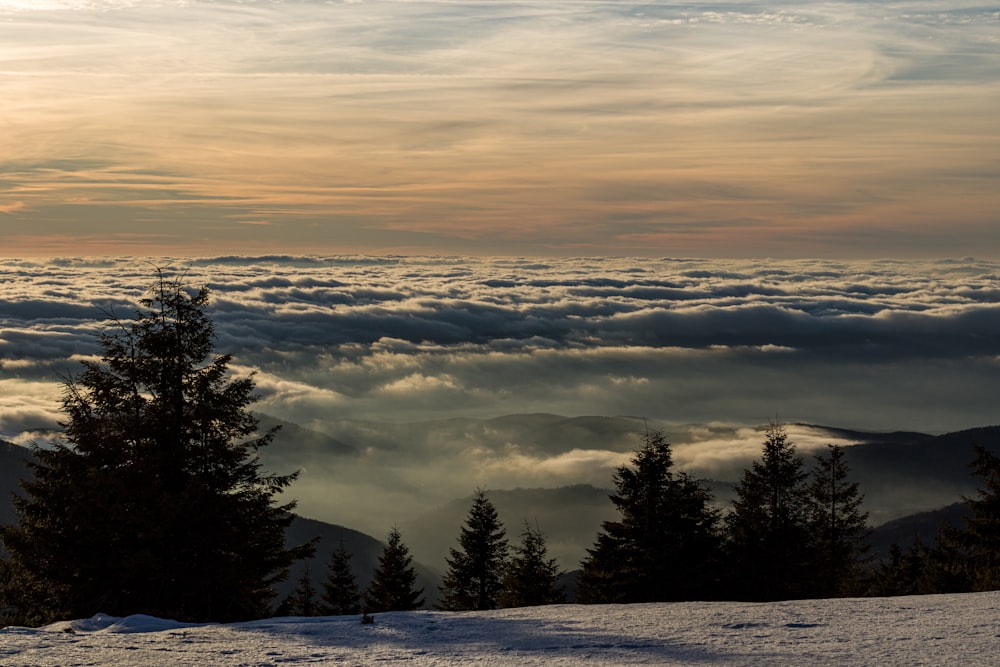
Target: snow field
column 921, row 630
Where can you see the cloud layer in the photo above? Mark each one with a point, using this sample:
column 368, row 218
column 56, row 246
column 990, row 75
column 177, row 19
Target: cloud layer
column 865, row 344
column 558, row 127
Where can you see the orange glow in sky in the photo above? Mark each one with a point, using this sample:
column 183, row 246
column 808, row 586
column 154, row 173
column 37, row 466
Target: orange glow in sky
column 498, row 127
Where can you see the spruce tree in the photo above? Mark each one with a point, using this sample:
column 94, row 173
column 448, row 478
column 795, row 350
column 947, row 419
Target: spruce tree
column 475, row 571
column 837, row 526
column 155, row 502
column 967, row 557
column 666, row 544
column 768, row 536
column 301, row 601
column 340, row 590
column 532, row 577
column 5, row 585
column 903, row 572
column 393, row 586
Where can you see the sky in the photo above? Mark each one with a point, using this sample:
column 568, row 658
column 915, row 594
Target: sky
column 500, row 127
column 900, row 631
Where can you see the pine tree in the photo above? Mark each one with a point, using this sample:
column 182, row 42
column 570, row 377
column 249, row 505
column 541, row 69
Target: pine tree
column 968, row 557
column 475, row 571
column 5, row 585
column 155, row 502
column 302, row 601
column 340, row 590
column 903, row 572
column 393, row 586
column 531, row 577
column 666, row 544
column 768, row 536
column 838, row 528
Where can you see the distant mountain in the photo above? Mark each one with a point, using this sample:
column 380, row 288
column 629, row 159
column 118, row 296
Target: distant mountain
column 904, row 473
column 923, row 526
column 556, row 434
column 874, row 437
column 294, row 444
column 536, row 432
column 944, row 458
column 426, row 464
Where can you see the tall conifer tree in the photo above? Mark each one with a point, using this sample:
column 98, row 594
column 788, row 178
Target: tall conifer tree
column 475, row 571
column 393, row 586
column 666, row 544
column 968, row 557
column 302, row 601
column 904, row 572
column 340, row 590
column 155, row 502
column 838, row 527
column 531, row 577
column 768, row 535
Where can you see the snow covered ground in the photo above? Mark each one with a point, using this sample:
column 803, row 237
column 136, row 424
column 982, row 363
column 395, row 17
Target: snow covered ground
column 926, row 630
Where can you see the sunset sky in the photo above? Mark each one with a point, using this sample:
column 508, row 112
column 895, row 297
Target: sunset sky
column 539, row 127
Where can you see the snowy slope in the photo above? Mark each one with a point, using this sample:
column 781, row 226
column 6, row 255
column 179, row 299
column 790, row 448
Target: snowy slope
column 927, row 630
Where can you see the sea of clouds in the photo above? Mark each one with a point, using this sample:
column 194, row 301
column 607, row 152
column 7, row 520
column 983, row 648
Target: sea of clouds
column 875, row 345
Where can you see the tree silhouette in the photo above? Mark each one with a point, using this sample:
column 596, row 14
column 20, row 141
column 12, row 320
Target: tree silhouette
column 393, row 586
column 340, row 590
column 6, row 600
column 301, row 601
column 768, row 536
column 155, row 502
column 903, row 572
column 666, row 544
column 531, row 577
column 475, row 571
column 837, row 526
column 967, row 557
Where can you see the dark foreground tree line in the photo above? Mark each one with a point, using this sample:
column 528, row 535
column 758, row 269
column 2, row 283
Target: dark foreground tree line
column 962, row 558
column 156, row 503
column 392, row 588
column 790, row 533
column 484, row 572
